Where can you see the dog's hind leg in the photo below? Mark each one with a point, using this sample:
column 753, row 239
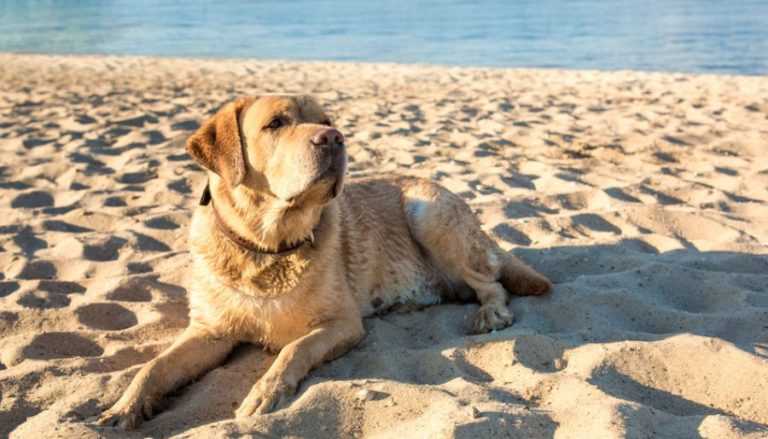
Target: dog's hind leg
column 450, row 234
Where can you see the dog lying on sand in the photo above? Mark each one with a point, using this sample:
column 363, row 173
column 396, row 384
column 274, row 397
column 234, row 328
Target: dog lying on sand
column 290, row 256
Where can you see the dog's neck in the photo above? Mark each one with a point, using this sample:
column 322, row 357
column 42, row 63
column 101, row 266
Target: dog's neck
column 257, row 223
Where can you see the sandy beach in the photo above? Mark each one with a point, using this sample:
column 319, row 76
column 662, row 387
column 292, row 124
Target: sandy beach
column 643, row 196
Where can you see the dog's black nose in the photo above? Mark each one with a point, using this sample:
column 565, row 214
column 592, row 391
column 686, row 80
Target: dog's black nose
column 327, row 138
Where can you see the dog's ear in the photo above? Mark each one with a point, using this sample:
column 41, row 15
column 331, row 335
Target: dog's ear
column 217, row 145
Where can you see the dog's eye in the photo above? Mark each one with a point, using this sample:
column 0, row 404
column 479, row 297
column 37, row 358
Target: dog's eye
column 326, row 122
column 275, row 124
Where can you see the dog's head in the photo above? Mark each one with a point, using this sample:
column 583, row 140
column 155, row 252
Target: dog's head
column 278, row 146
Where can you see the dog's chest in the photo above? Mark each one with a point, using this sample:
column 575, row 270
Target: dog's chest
column 272, row 322
column 260, row 308
column 266, row 277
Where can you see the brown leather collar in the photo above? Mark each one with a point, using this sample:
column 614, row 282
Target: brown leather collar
column 241, row 242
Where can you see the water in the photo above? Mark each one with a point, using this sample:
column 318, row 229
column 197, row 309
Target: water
column 673, row 35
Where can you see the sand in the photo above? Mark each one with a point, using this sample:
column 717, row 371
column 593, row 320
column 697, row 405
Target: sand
column 643, row 196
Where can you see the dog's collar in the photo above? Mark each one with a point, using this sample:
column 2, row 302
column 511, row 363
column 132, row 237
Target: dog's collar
column 240, row 241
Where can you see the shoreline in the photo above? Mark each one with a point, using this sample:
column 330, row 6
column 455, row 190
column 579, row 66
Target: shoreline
column 377, row 63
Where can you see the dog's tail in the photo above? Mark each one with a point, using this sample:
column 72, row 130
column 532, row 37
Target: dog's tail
column 519, row 279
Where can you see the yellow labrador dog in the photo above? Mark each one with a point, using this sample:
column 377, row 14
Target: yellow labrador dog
column 288, row 256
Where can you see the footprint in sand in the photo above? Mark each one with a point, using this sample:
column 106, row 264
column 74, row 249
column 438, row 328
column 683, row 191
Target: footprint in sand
column 621, row 195
column 132, row 290
column 161, row 223
column 510, row 234
column 106, row 316
column 43, row 300
column 595, row 223
column 28, row 242
column 7, row 288
column 60, row 345
column 155, row 137
column 18, row 185
column 527, row 209
column 39, row 269
column 50, row 294
column 138, row 267
column 180, row 186
column 107, row 250
column 178, row 157
column 60, row 287
column 137, row 121
column 539, row 352
column 137, row 177
column 115, row 202
column 150, row 244
column 61, row 226
column 33, row 143
column 33, row 199
column 84, row 119
column 186, row 125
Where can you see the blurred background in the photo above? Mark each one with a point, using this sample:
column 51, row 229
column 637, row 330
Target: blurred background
column 674, row 35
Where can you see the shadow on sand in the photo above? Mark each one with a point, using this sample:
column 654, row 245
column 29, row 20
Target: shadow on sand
column 602, row 294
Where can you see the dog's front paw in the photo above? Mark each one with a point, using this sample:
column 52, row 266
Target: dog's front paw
column 491, row 318
column 125, row 416
column 267, row 394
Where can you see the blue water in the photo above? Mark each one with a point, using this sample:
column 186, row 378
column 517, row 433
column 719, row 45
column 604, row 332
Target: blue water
column 674, row 35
